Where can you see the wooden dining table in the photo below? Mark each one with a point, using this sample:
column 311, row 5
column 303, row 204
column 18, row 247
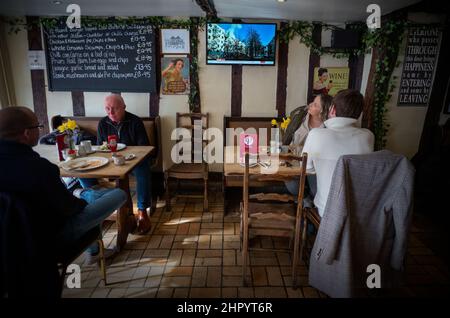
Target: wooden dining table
column 120, row 174
column 233, row 170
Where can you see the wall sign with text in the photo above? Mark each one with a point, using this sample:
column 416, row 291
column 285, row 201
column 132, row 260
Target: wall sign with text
column 422, row 48
column 104, row 58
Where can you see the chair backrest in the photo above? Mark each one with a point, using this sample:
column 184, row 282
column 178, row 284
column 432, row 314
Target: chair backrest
column 271, row 197
column 245, row 123
column 152, row 127
column 189, row 121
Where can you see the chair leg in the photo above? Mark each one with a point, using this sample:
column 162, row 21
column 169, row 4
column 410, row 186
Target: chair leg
column 102, row 260
column 244, row 254
column 296, row 252
column 205, row 196
column 62, row 277
column 166, row 178
column 304, row 235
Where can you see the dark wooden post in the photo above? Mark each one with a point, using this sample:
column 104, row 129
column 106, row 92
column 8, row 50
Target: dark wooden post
column 37, row 76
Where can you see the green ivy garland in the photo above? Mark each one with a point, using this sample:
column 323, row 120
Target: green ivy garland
column 386, row 40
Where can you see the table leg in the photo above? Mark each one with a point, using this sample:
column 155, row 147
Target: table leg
column 126, row 223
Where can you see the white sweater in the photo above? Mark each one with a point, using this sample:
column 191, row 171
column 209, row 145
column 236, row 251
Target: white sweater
column 324, row 146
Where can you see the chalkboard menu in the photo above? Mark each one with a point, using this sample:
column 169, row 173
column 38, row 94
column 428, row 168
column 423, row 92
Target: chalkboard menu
column 107, row 58
column 421, row 53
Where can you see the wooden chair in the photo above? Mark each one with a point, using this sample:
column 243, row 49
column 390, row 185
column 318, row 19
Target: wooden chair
column 309, row 215
column 272, row 214
column 192, row 170
column 70, row 253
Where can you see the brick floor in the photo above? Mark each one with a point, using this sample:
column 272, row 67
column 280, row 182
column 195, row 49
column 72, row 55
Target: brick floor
column 189, row 253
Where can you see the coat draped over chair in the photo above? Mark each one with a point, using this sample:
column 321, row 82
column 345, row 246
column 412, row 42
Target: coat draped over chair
column 366, row 221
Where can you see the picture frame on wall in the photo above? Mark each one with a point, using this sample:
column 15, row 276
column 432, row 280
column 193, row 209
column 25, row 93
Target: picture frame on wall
column 175, row 41
column 330, row 80
column 175, row 77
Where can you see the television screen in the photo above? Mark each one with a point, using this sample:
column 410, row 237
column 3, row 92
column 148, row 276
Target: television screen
column 241, row 43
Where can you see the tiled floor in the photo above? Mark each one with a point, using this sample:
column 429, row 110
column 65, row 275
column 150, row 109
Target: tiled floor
column 189, row 253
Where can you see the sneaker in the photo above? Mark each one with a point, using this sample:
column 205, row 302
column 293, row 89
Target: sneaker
column 77, row 193
column 92, row 259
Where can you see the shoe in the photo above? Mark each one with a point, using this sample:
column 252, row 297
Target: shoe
column 92, row 259
column 77, row 192
column 143, row 222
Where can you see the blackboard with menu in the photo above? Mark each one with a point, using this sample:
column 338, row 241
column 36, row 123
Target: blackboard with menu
column 103, row 58
column 421, row 53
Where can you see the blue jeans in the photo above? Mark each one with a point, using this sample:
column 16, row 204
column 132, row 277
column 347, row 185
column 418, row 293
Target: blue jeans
column 101, row 203
column 142, row 174
column 310, row 186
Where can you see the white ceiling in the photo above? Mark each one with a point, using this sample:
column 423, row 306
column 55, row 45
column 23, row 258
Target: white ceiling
column 309, row 10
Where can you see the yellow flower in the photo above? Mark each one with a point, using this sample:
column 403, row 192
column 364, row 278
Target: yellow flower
column 62, row 128
column 285, row 123
column 71, row 124
column 274, row 122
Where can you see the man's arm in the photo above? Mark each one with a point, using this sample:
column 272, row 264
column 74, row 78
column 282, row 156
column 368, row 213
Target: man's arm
column 59, row 198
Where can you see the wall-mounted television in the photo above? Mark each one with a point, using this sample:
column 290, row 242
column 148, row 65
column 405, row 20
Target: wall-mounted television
column 241, row 43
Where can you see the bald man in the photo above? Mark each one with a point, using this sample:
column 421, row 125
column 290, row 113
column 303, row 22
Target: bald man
column 129, row 130
column 26, row 174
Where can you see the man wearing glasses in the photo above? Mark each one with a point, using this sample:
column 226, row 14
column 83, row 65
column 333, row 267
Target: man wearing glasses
column 35, row 183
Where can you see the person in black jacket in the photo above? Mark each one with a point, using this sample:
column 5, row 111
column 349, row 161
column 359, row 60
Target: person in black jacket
column 129, row 130
column 26, row 175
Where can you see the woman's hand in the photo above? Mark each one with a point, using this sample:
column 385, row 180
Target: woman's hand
column 170, row 66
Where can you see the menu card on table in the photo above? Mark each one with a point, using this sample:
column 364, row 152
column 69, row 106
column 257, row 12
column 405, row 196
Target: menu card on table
column 248, row 143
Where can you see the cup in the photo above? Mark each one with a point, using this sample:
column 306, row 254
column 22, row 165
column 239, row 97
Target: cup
column 118, row 159
column 81, row 150
column 87, row 145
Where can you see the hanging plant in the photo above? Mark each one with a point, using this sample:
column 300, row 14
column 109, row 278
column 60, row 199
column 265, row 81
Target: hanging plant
column 386, row 41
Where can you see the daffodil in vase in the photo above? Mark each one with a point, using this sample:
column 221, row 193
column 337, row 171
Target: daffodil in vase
column 277, row 132
column 71, row 130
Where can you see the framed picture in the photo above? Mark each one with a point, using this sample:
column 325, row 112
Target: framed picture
column 175, row 75
column 330, row 80
column 175, row 41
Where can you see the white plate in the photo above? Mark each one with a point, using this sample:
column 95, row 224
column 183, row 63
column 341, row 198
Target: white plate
column 83, row 164
column 119, row 148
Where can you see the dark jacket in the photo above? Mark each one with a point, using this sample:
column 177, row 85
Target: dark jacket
column 297, row 116
column 27, row 244
column 50, row 138
column 34, row 204
column 28, row 175
column 130, row 130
